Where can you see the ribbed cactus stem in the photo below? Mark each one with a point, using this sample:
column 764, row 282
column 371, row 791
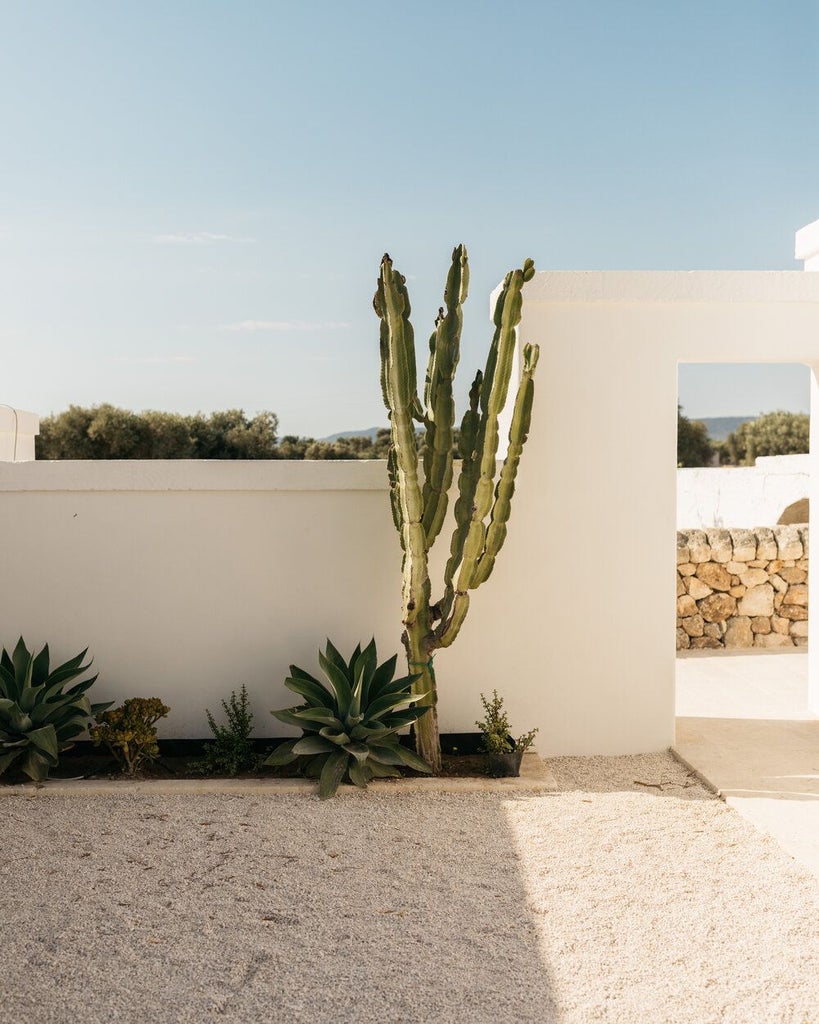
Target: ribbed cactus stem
column 419, row 513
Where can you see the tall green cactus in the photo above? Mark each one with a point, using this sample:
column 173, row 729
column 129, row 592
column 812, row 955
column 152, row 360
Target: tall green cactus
column 483, row 506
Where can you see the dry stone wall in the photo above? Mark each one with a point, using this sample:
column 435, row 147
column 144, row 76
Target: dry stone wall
column 742, row 588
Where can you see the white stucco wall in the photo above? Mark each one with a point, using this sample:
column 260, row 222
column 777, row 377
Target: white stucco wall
column 607, row 376
column 18, row 429
column 187, row 579
column 741, row 496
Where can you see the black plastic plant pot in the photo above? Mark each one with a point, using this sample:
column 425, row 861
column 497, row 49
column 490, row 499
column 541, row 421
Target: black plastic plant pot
column 505, row 765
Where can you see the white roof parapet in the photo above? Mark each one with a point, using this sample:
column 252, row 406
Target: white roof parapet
column 18, row 429
column 807, row 245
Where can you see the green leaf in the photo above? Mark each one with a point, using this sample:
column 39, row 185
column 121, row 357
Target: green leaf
column 365, row 732
column 6, row 760
column 334, row 656
column 340, row 684
column 316, row 694
column 319, row 716
column 383, row 771
column 40, row 668
column 382, row 676
column 412, row 760
column 45, row 740
column 334, row 735
column 288, row 716
column 332, row 773
column 385, row 754
column 359, row 774
column 360, row 751
column 21, row 659
column 283, row 754
column 392, row 702
column 313, row 745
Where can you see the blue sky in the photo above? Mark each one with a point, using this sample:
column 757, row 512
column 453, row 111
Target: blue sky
column 195, row 196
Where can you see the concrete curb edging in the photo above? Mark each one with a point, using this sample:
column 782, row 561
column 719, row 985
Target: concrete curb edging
column 535, row 777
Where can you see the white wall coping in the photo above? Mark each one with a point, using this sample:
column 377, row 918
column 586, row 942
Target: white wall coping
column 194, row 475
column 807, row 241
column 660, row 286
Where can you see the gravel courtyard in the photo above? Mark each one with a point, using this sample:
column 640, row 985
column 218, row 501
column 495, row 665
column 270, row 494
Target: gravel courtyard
column 630, row 896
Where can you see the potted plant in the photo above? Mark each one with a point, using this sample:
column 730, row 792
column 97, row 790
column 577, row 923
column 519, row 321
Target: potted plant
column 504, row 753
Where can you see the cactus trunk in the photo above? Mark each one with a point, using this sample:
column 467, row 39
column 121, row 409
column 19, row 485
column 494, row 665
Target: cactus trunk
column 419, row 659
column 419, row 511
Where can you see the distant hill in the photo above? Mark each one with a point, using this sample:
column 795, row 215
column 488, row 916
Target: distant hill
column 370, row 432
column 719, row 427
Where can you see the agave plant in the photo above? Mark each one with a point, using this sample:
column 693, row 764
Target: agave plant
column 350, row 729
column 38, row 716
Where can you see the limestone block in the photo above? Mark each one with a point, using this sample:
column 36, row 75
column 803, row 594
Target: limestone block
column 737, row 591
column 682, row 547
column 781, row 625
column 714, row 576
column 686, row 606
column 757, row 601
column 789, row 563
column 778, row 583
column 778, row 599
column 793, row 575
column 800, row 641
column 789, row 542
column 797, row 594
column 757, row 563
column 803, row 563
column 683, row 640
column 735, row 568
column 738, row 632
column 753, row 577
column 804, row 533
column 694, row 625
column 718, row 607
column 772, row 640
column 799, row 628
column 794, row 612
column 775, row 565
column 744, row 545
column 720, row 544
column 686, row 569
column 697, row 589
column 705, row 642
column 712, row 629
column 699, row 550
column 761, row 624
column 680, row 587
column 766, row 547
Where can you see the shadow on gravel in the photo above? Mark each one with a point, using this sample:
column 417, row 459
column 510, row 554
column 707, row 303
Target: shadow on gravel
column 277, row 909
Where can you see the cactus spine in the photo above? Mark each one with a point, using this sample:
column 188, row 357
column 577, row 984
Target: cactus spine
column 483, row 506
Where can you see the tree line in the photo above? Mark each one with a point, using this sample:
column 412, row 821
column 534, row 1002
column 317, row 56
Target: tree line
column 107, row 432
column 775, row 433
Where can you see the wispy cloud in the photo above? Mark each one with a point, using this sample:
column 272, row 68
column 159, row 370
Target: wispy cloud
column 156, row 359
column 286, row 325
column 197, row 238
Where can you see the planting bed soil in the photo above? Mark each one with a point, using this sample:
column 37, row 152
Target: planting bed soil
column 178, row 758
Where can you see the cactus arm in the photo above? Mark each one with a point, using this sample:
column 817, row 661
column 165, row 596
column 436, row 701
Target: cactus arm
column 445, row 346
column 518, row 433
column 494, row 391
column 467, row 482
column 400, row 384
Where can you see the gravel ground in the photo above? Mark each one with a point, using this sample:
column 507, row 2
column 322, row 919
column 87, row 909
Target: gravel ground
column 630, row 896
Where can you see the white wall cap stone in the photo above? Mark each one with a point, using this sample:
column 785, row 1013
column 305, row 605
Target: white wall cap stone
column 194, row 475
column 660, row 286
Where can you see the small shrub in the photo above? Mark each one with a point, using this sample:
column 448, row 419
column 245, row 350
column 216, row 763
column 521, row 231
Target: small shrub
column 38, row 716
column 129, row 732
column 231, row 751
column 497, row 738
